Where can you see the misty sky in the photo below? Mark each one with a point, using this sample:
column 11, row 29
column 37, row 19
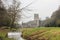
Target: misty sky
column 44, row 8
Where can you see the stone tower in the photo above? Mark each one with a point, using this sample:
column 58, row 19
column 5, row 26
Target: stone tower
column 36, row 19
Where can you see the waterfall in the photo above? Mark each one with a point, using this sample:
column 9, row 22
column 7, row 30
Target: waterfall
column 15, row 35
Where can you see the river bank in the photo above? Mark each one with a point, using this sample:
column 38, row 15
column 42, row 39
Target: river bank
column 45, row 33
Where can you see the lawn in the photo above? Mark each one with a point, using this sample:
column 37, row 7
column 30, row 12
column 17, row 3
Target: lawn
column 42, row 33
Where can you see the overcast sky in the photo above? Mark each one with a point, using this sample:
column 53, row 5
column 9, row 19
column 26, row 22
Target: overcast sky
column 44, row 8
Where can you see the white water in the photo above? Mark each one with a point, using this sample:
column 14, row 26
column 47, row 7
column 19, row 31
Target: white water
column 15, row 35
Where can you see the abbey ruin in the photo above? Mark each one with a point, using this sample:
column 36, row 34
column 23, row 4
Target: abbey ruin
column 34, row 23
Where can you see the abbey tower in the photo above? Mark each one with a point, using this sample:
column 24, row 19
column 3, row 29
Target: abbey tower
column 36, row 19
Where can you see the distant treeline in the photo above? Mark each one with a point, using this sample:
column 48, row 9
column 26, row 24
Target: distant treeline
column 54, row 21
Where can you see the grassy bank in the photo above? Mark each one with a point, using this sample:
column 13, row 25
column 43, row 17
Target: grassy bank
column 42, row 33
column 45, row 33
column 3, row 33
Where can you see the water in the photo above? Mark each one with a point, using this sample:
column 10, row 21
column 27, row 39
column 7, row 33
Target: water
column 20, row 38
column 15, row 35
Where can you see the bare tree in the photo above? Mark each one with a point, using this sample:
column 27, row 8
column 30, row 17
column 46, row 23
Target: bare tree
column 13, row 12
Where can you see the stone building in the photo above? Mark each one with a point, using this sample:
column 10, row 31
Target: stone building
column 34, row 23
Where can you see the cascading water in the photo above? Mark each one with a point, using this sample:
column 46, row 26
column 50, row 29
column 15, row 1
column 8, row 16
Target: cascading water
column 15, row 35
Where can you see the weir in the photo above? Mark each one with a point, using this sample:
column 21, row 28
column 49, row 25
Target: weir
column 15, row 35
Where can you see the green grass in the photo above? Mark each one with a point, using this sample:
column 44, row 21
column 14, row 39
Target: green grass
column 49, row 33
column 3, row 34
column 46, row 33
